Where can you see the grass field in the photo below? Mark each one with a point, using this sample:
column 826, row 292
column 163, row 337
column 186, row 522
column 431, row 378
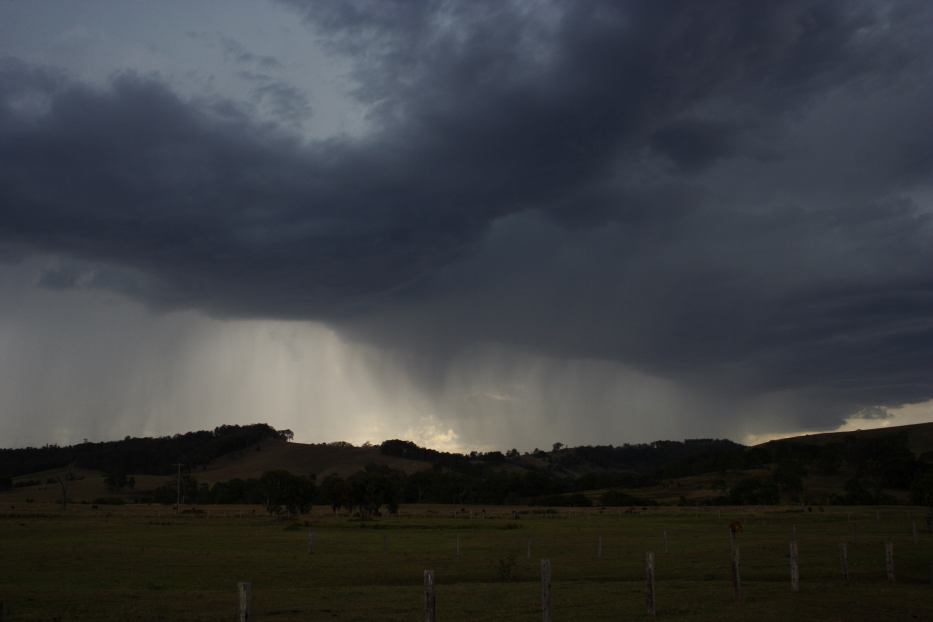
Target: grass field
column 145, row 563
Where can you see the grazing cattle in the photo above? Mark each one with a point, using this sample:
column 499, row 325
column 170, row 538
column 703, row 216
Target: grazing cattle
column 736, row 527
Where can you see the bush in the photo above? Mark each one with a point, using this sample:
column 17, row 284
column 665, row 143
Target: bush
column 616, row 498
column 573, row 500
column 506, row 569
column 109, row 501
column 755, row 492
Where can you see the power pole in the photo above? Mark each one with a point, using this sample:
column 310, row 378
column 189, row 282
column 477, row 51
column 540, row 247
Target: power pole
column 178, row 488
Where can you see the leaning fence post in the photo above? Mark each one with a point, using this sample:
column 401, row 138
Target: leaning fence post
column 736, row 573
column 430, row 598
column 649, row 583
column 844, row 560
column 794, row 568
column 546, row 590
column 889, row 560
column 246, row 596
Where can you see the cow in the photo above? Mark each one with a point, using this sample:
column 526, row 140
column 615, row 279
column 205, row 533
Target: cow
column 736, row 527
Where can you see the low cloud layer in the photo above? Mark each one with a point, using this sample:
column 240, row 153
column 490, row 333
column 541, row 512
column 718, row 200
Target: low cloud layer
column 728, row 202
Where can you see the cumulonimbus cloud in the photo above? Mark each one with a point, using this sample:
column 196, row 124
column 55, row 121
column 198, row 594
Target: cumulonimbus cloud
column 726, row 193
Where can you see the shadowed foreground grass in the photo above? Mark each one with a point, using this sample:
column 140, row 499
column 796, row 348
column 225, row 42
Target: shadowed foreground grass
column 143, row 563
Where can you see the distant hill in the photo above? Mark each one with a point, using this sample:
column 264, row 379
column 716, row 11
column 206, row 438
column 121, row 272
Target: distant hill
column 224, row 465
column 148, row 455
column 319, row 460
column 919, row 437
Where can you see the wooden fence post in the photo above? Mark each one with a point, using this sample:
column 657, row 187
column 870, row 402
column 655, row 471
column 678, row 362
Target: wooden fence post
column 246, row 600
column 665, row 541
column 458, row 546
column 855, row 533
column 889, row 560
column 913, row 529
column 649, row 583
column 736, row 573
column 844, row 560
column 529, row 548
column 385, row 543
column 430, row 598
column 546, row 590
column 599, row 546
column 310, row 540
column 794, row 568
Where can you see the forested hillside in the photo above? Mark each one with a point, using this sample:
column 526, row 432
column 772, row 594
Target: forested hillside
column 227, row 465
column 151, row 456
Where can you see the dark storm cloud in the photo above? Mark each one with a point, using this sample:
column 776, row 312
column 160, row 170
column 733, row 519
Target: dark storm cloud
column 285, row 102
column 874, row 412
column 728, row 193
column 234, row 51
column 694, row 145
column 58, row 278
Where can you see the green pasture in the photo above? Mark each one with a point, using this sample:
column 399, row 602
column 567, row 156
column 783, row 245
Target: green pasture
column 145, row 563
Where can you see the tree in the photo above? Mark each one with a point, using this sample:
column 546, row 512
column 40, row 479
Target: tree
column 117, row 480
column 921, row 493
column 285, row 492
column 374, row 487
column 557, row 447
column 61, row 482
column 69, row 476
column 333, row 490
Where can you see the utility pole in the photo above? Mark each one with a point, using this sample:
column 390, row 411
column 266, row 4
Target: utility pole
column 178, row 488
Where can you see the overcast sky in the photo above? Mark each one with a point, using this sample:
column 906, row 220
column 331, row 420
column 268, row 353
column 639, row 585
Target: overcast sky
column 476, row 224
